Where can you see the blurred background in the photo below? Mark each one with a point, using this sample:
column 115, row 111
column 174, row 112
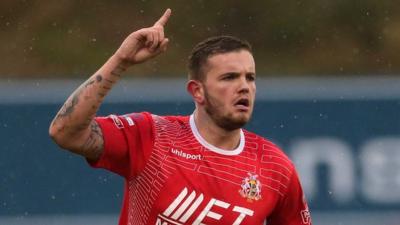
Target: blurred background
column 328, row 94
column 71, row 38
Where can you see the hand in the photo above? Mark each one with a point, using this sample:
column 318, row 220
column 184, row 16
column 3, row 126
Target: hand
column 145, row 43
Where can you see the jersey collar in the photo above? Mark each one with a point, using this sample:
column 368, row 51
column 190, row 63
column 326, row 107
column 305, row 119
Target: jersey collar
column 213, row 148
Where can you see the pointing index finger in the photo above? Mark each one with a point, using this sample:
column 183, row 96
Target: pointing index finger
column 164, row 18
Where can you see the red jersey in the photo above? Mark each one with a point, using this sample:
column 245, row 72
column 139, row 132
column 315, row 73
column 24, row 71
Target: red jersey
column 173, row 176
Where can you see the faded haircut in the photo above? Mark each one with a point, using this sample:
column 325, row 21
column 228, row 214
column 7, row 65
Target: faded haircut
column 209, row 47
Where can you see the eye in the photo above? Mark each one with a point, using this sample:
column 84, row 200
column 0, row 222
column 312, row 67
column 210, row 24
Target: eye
column 251, row 77
column 229, row 76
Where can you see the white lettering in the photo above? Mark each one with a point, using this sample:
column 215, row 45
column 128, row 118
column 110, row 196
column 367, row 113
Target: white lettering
column 186, row 155
column 183, row 207
column 207, row 211
column 380, row 160
column 176, row 202
column 129, row 120
column 192, row 208
column 159, row 222
column 118, row 123
column 243, row 213
column 182, row 202
column 307, row 154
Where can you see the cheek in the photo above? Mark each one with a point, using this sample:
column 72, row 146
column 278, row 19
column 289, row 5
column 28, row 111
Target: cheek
column 253, row 90
column 221, row 93
column 226, row 96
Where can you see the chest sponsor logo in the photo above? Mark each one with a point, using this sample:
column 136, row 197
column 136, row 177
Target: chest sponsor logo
column 251, row 188
column 185, row 155
column 185, row 205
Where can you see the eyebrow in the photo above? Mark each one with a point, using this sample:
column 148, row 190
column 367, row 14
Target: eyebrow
column 229, row 74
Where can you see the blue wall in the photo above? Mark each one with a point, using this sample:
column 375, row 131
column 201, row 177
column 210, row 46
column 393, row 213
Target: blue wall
column 36, row 177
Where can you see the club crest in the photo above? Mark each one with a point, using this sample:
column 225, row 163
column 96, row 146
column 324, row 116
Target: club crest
column 251, row 188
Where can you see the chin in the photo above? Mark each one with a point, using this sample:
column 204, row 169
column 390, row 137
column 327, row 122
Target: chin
column 229, row 123
column 242, row 117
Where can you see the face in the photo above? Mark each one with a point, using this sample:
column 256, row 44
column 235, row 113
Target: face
column 229, row 88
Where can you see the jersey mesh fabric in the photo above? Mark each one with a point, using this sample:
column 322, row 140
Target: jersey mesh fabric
column 173, row 178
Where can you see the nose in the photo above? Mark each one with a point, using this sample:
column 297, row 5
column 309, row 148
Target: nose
column 244, row 86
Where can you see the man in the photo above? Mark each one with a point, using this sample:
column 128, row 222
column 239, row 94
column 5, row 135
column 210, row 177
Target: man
column 198, row 169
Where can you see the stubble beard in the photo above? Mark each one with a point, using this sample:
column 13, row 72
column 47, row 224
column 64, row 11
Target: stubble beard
column 224, row 120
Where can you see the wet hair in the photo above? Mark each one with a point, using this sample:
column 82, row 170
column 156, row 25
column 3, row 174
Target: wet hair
column 209, row 47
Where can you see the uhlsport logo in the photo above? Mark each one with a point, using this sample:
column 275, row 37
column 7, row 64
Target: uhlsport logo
column 186, row 205
column 251, row 188
column 185, row 155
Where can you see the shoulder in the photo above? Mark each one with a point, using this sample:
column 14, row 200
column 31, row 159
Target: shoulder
column 141, row 116
column 170, row 119
column 170, row 123
column 137, row 116
column 268, row 150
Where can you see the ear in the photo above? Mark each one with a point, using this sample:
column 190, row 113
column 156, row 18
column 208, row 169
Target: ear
column 195, row 88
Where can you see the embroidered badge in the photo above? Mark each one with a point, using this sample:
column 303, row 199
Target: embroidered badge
column 251, row 188
column 305, row 214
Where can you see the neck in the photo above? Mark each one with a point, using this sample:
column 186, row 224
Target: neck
column 214, row 134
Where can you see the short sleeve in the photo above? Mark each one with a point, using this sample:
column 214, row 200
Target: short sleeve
column 128, row 141
column 293, row 208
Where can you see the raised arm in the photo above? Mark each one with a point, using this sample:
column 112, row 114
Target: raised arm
column 74, row 127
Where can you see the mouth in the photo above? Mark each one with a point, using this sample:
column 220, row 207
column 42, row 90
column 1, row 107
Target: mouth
column 243, row 104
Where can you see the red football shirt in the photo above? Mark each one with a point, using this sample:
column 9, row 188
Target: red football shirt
column 173, row 176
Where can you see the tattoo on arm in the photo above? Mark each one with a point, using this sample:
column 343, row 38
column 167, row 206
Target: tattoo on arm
column 109, row 81
column 76, row 128
column 99, row 78
column 94, row 144
column 118, row 71
column 70, row 105
column 88, row 83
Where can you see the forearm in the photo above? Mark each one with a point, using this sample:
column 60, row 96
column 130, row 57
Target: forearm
column 74, row 127
column 71, row 127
